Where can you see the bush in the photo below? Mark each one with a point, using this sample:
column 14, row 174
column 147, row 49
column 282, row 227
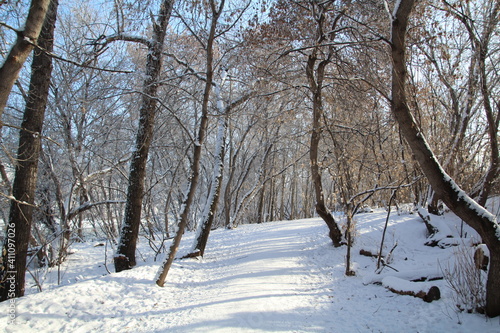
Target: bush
column 467, row 282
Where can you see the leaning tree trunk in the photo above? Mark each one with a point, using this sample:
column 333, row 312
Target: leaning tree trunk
column 125, row 254
column 195, row 165
column 25, row 42
column 23, row 189
column 213, row 198
column 452, row 195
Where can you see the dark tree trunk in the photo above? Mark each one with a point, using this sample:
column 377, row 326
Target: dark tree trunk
column 25, row 42
column 315, row 75
column 454, row 197
column 433, row 205
column 125, row 255
column 24, row 186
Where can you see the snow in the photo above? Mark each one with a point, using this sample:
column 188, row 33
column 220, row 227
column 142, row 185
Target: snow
column 405, row 285
column 270, row 277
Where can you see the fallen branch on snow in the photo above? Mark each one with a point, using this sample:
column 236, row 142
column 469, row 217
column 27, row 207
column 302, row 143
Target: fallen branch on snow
column 415, row 289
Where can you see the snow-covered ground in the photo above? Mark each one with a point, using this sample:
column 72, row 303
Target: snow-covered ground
column 271, row 277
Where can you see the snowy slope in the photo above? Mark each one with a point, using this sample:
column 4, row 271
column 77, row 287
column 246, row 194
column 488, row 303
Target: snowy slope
column 272, row 277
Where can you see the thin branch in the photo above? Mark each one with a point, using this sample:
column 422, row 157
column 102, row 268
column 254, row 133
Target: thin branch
column 12, row 198
column 88, row 205
column 84, row 65
column 377, row 188
column 2, row 124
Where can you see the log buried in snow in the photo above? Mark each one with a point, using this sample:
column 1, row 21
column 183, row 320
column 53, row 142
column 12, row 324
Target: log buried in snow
column 416, row 289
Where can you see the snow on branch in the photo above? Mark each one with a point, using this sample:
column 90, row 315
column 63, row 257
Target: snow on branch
column 12, row 198
column 102, row 41
column 89, row 205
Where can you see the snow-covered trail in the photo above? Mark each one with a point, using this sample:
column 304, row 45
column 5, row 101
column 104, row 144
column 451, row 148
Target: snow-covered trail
column 264, row 284
column 259, row 283
column 271, row 277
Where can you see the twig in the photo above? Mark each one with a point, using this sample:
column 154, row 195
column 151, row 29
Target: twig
column 379, row 261
column 106, row 256
column 2, row 124
column 11, row 197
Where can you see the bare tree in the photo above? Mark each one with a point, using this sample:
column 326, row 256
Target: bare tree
column 452, row 195
column 216, row 185
column 125, row 255
column 481, row 38
column 316, row 74
column 216, row 11
column 18, row 234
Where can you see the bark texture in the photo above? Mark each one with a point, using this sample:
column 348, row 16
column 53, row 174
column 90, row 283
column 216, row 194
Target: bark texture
column 25, row 42
column 125, row 255
column 24, row 185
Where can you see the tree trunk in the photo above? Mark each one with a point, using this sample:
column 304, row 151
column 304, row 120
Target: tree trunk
column 321, row 209
column 195, row 166
column 21, row 209
column 452, row 195
column 25, row 42
column 315, row 76
column 493, row 283
column 125, row 255
column 260, row 206
column 213, row 199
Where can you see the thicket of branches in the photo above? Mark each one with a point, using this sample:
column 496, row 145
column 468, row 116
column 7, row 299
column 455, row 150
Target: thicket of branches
column 272, row 63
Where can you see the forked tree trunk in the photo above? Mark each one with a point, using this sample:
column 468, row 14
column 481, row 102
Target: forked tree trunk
column 452, row 195
column 23, row 189
column 125, row 254
column 315, row 75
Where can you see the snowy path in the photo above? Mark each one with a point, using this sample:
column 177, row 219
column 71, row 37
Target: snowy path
column 272, row 277
column 260, row 284
column 264, row 286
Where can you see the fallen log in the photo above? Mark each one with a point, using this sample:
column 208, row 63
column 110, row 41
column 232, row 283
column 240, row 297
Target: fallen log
column 415, row 275
column 368, row 253
column 415, row 289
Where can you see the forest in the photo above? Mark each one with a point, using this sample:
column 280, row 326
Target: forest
column 132, row 120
